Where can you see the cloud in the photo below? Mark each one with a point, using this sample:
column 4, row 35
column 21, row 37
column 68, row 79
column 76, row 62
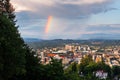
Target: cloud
column 69, row 18
column 85, row 30
column 62, row 8
column 104, row 28
column 101, row 36
column 82, row 1
column 69, row 30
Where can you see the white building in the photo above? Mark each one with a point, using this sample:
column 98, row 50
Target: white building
column 102, row 75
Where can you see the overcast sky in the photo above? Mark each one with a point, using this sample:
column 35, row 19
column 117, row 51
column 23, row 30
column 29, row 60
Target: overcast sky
column 71, row 19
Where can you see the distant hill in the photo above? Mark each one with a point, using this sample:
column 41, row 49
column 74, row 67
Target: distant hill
column 32, row 40
column 36, row 44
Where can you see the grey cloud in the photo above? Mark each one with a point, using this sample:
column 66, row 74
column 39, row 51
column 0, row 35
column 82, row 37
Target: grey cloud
column 103, row 27
column 72, row 23
column 100, row 36
column 68, row 10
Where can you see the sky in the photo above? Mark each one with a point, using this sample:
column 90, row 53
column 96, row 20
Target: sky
column 68, row 19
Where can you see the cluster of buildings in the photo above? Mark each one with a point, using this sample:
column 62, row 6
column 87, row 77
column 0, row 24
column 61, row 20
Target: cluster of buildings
column 75, row 52
column 70, row 53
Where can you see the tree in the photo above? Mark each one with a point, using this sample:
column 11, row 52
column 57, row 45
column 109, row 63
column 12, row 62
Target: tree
column 7, row 9
column 2, row 9
column 17, row 60
column 33, row 66
column 71, row 68
column 116, row 70
column 90, row 68
column 12, row 50
column 55, row 70
column 84, row 62
column 71, row 72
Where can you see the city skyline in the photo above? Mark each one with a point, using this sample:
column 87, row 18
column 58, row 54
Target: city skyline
column 68, row 19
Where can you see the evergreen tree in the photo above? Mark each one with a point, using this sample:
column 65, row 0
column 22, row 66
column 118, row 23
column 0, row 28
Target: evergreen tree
column 17, row 60
column 71, row 72
column 6, row 8
column 116, row 70
column 12, row 50
column 55, row 70
column 12, row 47
column 33, row 67
column 2, row 9
column 84, row 62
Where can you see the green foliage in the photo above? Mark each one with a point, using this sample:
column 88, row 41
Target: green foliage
column 32, row 65
column 116, row 70
column 12, row 52
column 71, row 72
column 55, row 70
column 72, row 76
column 71, row 68
column 7, row 9
column 51, row 71
column 88, row 67
column 84, row 62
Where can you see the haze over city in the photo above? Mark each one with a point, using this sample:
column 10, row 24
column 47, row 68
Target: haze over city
column 68, row 19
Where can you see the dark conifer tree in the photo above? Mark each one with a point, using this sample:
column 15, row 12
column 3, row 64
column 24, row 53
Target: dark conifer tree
column 12, row 47
column 17, row 60
column 7, row 9
column 12, row 50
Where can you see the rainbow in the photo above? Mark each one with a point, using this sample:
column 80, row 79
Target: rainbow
column 48, row 24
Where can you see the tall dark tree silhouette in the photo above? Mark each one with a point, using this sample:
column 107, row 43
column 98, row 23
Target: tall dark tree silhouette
column 6, row 8
column 17, row 60
column 12, row 47
column 12, row 50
